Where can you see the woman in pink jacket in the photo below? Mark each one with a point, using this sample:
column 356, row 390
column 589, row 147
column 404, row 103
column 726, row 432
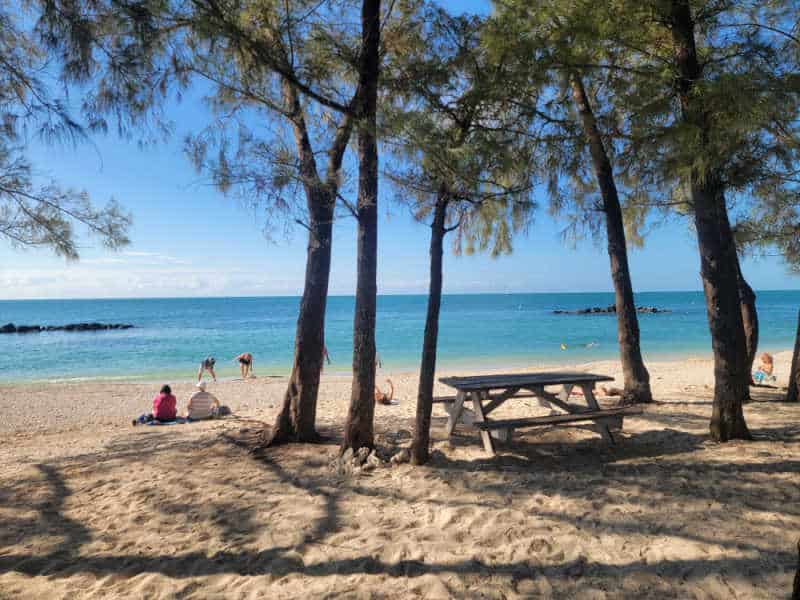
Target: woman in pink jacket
column 164, row 408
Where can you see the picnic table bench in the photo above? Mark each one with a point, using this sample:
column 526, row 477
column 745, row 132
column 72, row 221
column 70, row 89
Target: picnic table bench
column 488, row 392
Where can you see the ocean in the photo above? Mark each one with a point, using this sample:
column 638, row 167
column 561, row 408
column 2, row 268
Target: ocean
column 171, row 336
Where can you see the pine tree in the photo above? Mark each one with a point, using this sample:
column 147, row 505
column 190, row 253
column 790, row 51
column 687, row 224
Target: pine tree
column 34, row 215
column 448, row 122
column 303, row 69
column 571, row 135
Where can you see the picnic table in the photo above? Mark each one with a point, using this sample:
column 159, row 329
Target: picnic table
column 488, row 392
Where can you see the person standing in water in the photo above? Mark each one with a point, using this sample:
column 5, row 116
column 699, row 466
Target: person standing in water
column 245, row 364
column 207, row 365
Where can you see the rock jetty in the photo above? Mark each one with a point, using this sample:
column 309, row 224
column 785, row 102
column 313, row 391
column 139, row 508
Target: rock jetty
column 604, row 310
column 11, row 328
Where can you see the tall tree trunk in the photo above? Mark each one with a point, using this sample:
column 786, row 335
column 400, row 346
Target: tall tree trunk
column 296, row 420
column 420, row 445
column 717, row 249
column 793, row 394
column 747, row 301
column 358, row 430
column 636, row 377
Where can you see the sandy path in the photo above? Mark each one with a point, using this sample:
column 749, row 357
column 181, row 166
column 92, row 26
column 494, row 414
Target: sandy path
column 92, row 507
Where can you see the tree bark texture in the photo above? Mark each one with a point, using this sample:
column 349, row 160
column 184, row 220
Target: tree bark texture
column 297, row 418
column 296, row 421
column 358, row 430
column 793, row 394
column 747, row 301
column 636, row 377
column 718, row 258
column 796, row 586
column 420, row 444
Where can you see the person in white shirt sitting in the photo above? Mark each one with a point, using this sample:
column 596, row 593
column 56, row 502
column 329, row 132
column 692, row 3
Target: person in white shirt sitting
column 202, row 405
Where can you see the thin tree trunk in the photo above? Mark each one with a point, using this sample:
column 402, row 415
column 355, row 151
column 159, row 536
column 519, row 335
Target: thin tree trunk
column 420, row 445
column 635, row 375
column 796, row 586
column 717, row 249
column 358, row 431
column 747, row 301
column 793, row 394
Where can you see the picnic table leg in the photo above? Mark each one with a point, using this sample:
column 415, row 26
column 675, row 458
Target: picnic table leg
column 454, row 413
column 605, row 430
column 566, row 390
column 486, row 436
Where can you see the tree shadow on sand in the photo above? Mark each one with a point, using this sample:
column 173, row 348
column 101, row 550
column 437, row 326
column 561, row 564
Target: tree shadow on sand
column 646, row 467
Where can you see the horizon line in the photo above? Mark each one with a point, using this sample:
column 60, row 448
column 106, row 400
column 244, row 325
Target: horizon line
column 392, row 294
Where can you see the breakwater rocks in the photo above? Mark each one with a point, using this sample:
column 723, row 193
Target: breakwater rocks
column 601, row 310
column 11, row 328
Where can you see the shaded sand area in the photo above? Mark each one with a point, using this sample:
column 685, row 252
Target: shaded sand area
column 92, row 507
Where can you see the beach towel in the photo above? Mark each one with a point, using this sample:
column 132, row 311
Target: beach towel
column 178, row 421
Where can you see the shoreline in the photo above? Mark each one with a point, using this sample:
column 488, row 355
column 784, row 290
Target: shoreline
column 179, row 376
column 58, row 406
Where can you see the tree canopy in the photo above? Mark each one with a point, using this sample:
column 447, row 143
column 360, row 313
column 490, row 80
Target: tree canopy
column 34, row 214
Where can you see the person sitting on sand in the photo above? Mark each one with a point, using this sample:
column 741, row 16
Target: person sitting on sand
column 611, row 391
column 388, row 398
column 164, row 408
column 207, row 365
column 245, row 364
column 765, row 369
column 202, row 405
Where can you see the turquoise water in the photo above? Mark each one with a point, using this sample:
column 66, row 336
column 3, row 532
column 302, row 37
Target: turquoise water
column 481, row 330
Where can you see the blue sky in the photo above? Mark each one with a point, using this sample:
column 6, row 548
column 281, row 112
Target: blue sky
column 190, row 240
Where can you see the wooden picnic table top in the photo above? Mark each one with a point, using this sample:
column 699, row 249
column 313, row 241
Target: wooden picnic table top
column 503, row 381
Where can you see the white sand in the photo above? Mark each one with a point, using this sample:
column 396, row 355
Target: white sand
column 93, row 507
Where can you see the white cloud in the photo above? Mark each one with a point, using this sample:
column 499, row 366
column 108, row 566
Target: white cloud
column 114, row 280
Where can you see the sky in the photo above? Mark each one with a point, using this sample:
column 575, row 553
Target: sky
column 188, row 239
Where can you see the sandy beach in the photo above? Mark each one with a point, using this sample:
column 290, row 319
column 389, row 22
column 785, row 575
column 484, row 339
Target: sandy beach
column 95, row 508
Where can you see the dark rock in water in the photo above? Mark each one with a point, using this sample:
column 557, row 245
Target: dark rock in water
column 28, row 328
column 11, row 328
column 608, row 310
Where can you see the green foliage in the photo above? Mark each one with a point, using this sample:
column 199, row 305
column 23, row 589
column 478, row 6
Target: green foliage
column 449, row 125
column 30, row 214
column 623, row 50
column 132, row 54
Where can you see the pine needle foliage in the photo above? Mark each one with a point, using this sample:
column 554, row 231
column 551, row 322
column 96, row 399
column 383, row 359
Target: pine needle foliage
column 449, row 126
column 33, row 214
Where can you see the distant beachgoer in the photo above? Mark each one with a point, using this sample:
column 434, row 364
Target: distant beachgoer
column 207, row 365
column 202, row 405
column 765, row 369
column 378, row 363
column 245, row 364
column 385, row 398
column 164, row 408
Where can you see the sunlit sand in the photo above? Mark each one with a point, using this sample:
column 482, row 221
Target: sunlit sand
column 94, row 507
